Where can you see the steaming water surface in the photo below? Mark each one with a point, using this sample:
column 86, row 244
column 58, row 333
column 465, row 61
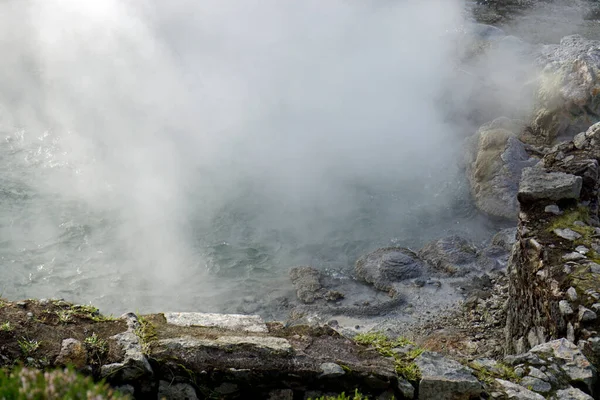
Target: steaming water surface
column 58, row 245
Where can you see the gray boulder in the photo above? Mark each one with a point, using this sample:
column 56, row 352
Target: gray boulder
column 442, row 378
column 517, row 392
column 307, row 281
column 384, row 266
column 567, row 90
column 494, row 161
column 452, row 255
column 536, row 184
column 570, row 360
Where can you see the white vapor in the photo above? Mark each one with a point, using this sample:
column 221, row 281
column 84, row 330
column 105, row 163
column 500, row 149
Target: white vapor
column 161, row 115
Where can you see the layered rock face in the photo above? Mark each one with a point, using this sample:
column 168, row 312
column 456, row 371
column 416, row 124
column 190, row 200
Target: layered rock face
column 553, row 270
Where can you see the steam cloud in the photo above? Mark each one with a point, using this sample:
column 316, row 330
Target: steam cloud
column 154, row 120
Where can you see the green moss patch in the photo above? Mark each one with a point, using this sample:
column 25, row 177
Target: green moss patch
column 404, row 361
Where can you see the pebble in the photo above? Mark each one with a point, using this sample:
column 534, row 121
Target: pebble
column 582, row 249
column 574, row 256
column 30, row 315
column 567, row 234
column 565, row 308
column 572, row 294
column 553, row 209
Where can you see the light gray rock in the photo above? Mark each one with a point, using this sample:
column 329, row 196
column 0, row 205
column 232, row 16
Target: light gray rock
column 571, row 394
column 567, row 233
column 331, row 370
column 569, row 358
column 552, row 209
column 570, row 333
column 442, row 378
column 72, row 352
column 176, row 391
column 582, row 250
column 567, row 89
column 574, row 256
column 247, row 323
column 586, row 315
column 565, row 308
column 580, row 140
column 134, row 364
column 517, row 392
column 384, row 266
column 537, row 184
column 231, row 343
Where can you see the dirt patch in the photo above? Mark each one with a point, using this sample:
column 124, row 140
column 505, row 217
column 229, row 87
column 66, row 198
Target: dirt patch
column 31, row 332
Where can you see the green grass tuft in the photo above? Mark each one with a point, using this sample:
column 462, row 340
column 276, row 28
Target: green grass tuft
column 385, row 346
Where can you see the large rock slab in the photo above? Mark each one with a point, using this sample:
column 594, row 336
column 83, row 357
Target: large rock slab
column 537, row 184
column 385, row 266
column 442, row 378
column 245, row 323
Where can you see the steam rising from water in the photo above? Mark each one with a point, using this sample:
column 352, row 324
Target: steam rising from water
column 183, row 155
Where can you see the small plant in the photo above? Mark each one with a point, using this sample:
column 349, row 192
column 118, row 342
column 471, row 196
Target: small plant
column 343, row 396
column 24, row 383
column 97, row 348
column 65, row 316
column 146, row 332
column 384, row 346
column 489, row 374
column 28, row 346
column 6, row 327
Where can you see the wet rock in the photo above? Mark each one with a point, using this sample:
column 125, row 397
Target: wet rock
column 176, row 391
column 452, row 255
column 306, row 280
column 571, row 394
column 72, row 352
column 442, row 378
column 387, row 265
column 517, row 392
column 536, row 184
column 245, row 323
column 567, row 233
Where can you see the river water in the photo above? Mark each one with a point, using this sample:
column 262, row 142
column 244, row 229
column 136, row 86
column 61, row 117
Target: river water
column 168, row 222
